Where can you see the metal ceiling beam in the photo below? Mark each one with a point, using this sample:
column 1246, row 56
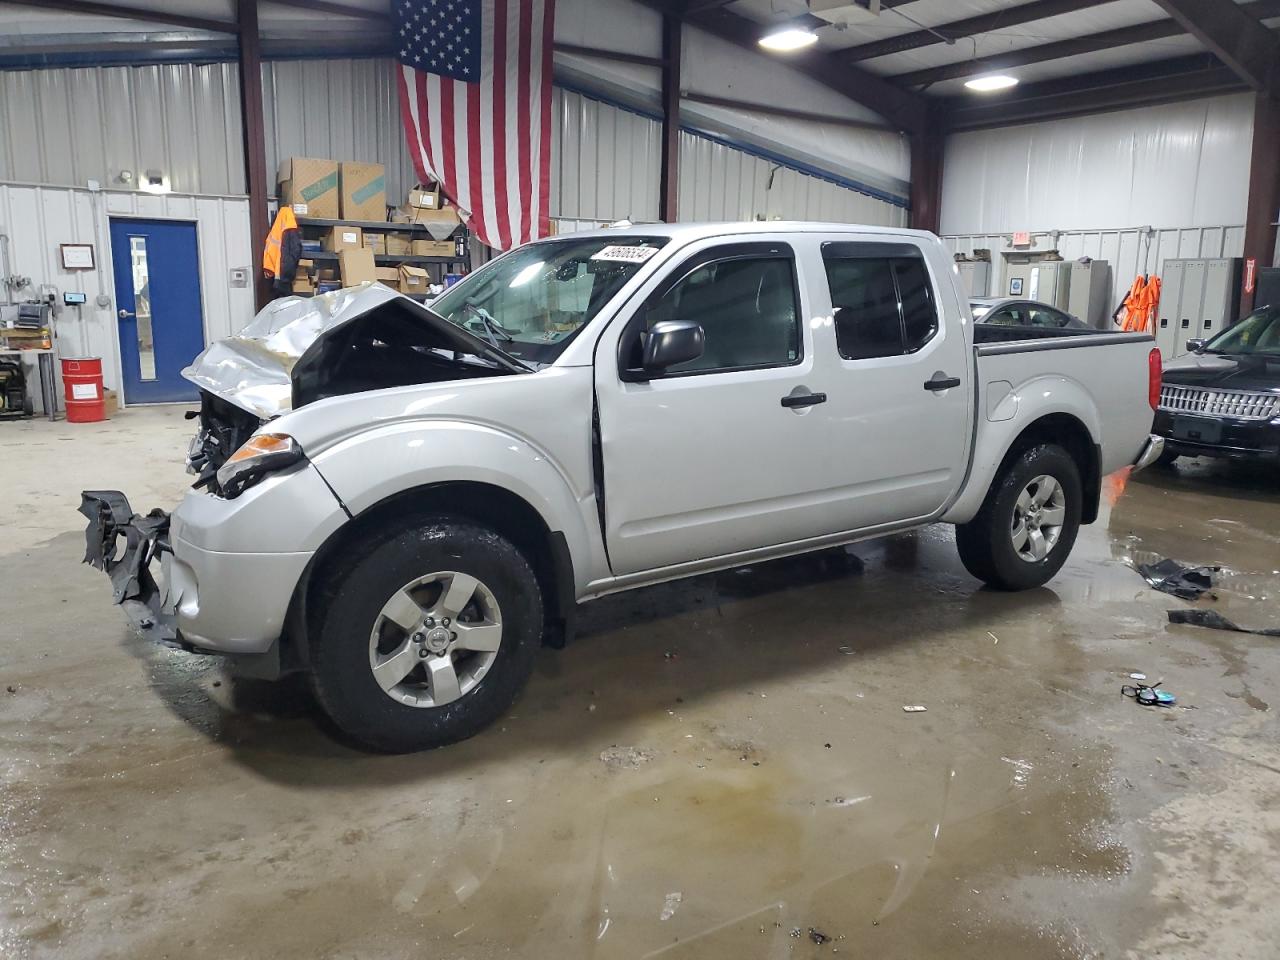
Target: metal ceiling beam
column 1237, row 37
column 130, row 13
column 1060, row 49
column 968, row 27
column 669, row 168
column 337, row 9
column 903, row 109
column 1161, row 81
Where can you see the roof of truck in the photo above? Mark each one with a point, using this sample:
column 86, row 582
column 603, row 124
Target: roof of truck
column 696, row 231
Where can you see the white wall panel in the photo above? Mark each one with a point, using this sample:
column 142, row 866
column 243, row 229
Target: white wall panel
column 1178, row 165
column 39, row 218
column 69, row 125
column 719, row 182
column 339, row 109
column 604, row 160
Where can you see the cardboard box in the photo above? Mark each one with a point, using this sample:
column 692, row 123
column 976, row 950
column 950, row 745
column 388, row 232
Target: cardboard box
column 399, row 215
column 433, row 248
column 110, row 402
column 364, row 190
column 444, row 215
column 357, row 266
column 310, row 186
column 413, row 279
column 343, row 237
column 302, row 284
column 377, row 242
column 419, row 196
column 398, row 245
column 389, row 276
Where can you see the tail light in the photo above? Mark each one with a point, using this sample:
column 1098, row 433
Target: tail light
column 1154, row 371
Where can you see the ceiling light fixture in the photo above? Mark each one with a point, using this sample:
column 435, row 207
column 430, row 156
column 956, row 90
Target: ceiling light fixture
column 788, row 37
column 994, row 81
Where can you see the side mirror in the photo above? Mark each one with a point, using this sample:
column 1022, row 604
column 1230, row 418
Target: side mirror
column 669, row 342
column 1197, row 344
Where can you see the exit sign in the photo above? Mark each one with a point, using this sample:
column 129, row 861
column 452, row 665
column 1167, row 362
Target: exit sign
column 1022, row 238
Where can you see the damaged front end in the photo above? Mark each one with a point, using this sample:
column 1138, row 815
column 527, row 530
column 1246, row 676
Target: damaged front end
column 146, row 538
column 295, row 352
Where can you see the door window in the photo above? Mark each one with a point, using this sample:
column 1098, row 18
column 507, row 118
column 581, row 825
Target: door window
column 748, row 309
column 883, row 305
column 1006, row 317
column 1044, row 317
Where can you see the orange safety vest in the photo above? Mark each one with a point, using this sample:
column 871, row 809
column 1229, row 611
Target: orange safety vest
column 285, row 220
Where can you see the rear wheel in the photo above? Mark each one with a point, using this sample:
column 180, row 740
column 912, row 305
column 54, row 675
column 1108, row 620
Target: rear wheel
column 426, row 635
column 1026, row 526
column 1167, row 458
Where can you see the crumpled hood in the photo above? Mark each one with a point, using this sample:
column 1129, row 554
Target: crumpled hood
column 253, row 369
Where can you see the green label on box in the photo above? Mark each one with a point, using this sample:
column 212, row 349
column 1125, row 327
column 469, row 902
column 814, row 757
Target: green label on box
column 320, row 187
column 371, row 189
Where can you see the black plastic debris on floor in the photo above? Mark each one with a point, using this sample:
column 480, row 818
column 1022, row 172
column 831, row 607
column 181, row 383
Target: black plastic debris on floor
column 1215, row 621
column 1170, row 576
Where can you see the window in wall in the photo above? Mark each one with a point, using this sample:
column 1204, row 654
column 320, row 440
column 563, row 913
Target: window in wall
column 747, row 308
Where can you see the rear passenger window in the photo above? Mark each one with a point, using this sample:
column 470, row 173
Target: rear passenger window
column 883, row 304
column 919, row 318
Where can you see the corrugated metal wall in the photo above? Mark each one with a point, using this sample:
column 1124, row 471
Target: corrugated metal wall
column 604, row 160
column 718, row 182
column 1129, row 250
column 340, row 109
column 67, row 126
column 38, row 219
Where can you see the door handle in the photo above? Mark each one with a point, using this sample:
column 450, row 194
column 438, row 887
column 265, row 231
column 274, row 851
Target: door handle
column 125, row 313
column 941, row 383
column 803, row 399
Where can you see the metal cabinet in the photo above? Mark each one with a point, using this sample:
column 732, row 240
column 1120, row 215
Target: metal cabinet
column 1198, row 298
column 974, row 277
column 1088, row 287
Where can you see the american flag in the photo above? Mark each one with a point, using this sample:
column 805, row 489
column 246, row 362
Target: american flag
column 475, row 96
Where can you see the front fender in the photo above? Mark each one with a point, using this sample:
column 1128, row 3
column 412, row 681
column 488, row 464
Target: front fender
column 371, row 466
column 1014, row 411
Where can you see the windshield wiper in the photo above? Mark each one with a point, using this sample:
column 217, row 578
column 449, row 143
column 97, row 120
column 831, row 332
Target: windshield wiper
column 491, row 326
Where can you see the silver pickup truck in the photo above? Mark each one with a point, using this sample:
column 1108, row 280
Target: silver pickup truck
column 406, row 500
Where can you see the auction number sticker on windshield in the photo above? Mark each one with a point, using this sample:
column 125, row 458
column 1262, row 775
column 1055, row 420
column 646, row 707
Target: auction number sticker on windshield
column 622, row 254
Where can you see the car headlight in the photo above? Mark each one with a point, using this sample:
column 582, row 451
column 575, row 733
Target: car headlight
column 260, row 455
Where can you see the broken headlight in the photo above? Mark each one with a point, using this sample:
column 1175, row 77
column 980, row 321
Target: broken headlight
column 260, row 455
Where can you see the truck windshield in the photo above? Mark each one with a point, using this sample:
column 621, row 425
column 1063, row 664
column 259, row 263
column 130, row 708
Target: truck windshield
column 1258, row 333
column 531, row 303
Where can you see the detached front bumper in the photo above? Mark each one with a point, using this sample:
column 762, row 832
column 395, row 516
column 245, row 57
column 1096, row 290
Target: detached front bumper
column 133, row 586
column 177, row 582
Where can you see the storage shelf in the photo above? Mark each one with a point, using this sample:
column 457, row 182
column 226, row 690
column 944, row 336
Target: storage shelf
column 386, row 259
column 368, row 226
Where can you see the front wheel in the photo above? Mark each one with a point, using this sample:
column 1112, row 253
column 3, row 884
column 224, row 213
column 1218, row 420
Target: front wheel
column 426, row 636
column 1026, row 526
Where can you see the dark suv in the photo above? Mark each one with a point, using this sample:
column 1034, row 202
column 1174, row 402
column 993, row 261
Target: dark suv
column 1223, row 400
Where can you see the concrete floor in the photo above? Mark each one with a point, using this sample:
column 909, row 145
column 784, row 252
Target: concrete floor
column 711, row 770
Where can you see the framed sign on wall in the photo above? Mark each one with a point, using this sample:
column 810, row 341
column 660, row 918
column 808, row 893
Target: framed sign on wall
column 76, row 256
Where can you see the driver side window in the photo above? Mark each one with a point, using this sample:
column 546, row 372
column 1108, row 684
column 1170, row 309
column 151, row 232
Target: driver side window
column 748, row 310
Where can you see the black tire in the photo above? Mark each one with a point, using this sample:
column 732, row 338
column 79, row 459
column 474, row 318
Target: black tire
column 1167, row 458
column 351, row 597
column 985, row 542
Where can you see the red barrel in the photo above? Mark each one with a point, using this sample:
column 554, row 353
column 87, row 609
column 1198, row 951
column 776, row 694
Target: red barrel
column 82, row 380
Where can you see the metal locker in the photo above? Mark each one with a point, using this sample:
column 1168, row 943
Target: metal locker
column 974, row 276
column 1221, row 303
column 1170, row 304
column 1191, row 302
column 1087, row 287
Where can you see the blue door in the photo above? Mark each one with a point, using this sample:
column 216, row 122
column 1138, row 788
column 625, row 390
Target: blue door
column 157, row 276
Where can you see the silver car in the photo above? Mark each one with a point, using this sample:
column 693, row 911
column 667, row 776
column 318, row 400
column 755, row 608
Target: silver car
column 1017, row 312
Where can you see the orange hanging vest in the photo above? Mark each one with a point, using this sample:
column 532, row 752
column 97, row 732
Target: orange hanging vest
column 285, row 220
